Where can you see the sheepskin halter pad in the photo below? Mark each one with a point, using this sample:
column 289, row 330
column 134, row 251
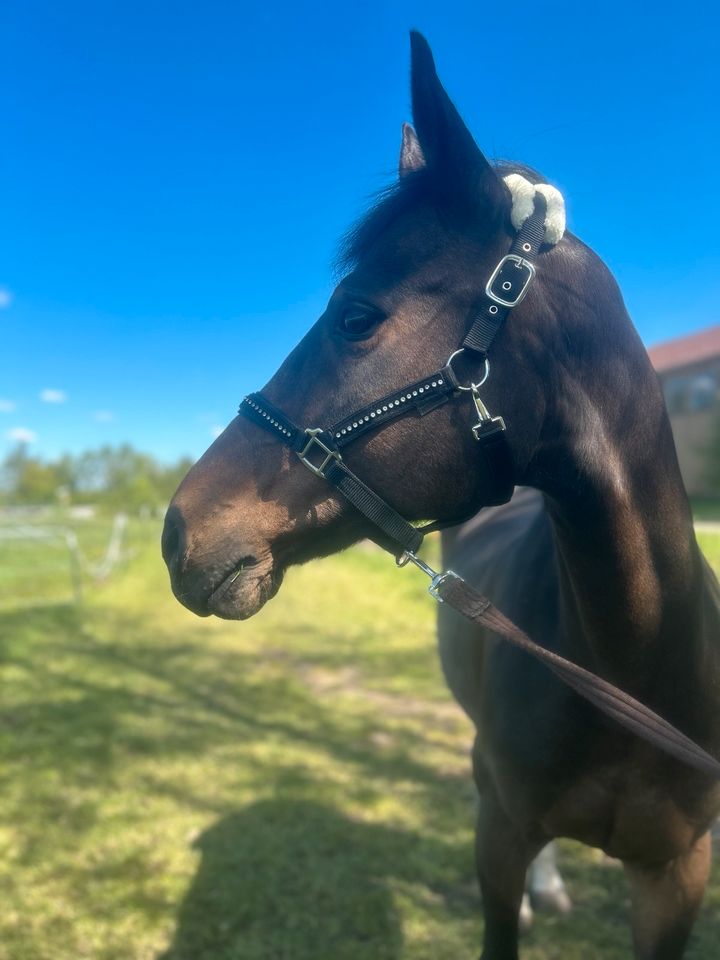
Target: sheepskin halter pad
column 523, row 203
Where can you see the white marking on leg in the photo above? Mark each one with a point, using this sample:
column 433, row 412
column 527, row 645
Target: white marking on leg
column 547, row 888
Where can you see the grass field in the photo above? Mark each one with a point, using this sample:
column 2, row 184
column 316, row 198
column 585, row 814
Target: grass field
column 294, row 787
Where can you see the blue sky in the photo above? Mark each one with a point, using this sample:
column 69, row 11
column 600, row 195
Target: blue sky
column 174, row 177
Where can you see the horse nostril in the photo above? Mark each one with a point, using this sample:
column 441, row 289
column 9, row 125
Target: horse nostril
column 172, row 540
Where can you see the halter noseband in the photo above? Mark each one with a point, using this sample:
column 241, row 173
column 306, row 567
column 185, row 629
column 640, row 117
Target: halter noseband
column 320, row 450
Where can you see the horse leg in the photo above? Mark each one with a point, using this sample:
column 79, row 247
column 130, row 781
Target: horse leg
column 546, row 887
column 665, row 902
column 503, row 856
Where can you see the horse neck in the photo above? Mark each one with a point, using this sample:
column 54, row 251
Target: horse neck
column 630, row 570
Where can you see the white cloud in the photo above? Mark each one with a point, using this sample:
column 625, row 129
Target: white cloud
column 21, row 435
column 7, row 406
column 5, row 298
column 53, row 396
column 104, row 416
column 216, row 431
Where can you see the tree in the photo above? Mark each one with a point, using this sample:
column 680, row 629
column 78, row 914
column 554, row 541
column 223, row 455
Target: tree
column 120, row 478
column 26, row 479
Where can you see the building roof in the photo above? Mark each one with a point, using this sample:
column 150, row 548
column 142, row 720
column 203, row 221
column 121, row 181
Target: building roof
column 686, row 351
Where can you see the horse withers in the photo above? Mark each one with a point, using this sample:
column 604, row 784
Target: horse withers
column 598, row 563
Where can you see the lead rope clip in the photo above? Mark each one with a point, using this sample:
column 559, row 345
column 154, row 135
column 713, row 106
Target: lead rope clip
column 436, row 579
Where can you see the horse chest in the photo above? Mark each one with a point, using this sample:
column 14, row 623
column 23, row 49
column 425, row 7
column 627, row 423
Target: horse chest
column 632, row 813
column 633, row 803
column 558, row 767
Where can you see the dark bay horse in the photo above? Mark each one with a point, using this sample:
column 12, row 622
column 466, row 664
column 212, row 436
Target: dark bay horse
column 599, row 562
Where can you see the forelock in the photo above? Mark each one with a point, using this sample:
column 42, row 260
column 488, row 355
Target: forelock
column 390, row 205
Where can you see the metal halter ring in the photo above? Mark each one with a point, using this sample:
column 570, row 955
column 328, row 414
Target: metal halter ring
column 472, row 386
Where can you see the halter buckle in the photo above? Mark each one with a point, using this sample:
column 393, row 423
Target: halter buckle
column 313, row 433
column 510, row 280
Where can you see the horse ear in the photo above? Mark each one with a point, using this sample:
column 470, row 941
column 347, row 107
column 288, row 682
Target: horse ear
column 445, row 142
column 411, row 155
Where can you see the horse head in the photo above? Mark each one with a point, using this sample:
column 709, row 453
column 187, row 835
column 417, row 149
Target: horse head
column 415, row 268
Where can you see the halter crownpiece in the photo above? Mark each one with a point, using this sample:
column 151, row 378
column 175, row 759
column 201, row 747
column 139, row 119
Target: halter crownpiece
column 523, row 194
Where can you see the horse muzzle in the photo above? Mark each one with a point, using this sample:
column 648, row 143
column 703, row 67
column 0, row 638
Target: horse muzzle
column 227, row 578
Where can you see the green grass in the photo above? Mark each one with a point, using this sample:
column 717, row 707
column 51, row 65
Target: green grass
column 710, row 546
column 294, row 787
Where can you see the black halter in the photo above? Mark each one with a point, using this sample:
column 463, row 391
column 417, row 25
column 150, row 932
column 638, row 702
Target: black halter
column 320, row 450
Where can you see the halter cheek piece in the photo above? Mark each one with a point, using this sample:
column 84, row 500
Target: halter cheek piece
column 320, row 450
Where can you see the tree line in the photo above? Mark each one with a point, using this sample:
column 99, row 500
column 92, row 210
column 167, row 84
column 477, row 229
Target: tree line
column 119, row 478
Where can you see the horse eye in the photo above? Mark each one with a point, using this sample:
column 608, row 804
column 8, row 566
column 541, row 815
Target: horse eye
column 357, row 321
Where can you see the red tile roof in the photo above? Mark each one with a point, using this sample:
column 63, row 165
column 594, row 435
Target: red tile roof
column 685, row 351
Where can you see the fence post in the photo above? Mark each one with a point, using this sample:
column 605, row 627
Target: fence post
column 75, row 569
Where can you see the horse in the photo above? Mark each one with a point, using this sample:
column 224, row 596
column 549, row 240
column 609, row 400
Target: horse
column 596, row 558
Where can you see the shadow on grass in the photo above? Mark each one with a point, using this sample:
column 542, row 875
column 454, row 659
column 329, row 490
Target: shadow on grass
column 294, row 880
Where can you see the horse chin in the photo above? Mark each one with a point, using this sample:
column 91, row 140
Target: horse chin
column 246, row 592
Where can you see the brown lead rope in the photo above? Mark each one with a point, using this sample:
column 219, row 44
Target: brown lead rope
column 628, row 712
